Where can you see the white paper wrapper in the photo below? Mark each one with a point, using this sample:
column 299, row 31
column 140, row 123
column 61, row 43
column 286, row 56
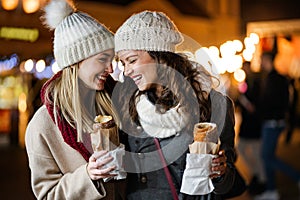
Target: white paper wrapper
column 117, row 154
column 204, row 148
column 196, row 179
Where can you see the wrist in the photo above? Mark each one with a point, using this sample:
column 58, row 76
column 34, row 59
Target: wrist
column 218, row 179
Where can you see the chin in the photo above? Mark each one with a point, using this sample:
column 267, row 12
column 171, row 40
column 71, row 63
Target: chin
column 143, row 87
column 100, row 87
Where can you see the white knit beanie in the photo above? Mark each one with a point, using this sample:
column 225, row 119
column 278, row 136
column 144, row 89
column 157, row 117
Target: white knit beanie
column 77, row 35
column 148, row 30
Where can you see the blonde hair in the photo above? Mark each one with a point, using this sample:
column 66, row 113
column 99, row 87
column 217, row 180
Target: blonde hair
column 65, row 95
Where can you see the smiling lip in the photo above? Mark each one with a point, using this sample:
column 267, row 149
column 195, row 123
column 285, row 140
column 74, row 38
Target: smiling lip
column 136, row 78
column 102, row 77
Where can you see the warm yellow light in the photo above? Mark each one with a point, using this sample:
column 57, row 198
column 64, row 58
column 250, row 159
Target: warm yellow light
column 239, row 75
column 249, row 42
column 237, row 61
column 254, row 37
column 19, row 33
column 214, row 51
column 40, row 65
column 22, row 106
column 28, row 66
column 227, row 49
column 221, row 69
column 55, row 68
column 247, row 54
column 9, row 4
column 232, row 63
column 31, row 6
column 238, row 45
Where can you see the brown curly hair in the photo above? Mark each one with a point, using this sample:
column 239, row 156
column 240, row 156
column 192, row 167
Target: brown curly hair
column 172, row 69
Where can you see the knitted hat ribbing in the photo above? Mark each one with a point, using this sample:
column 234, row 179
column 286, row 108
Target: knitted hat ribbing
column 77, row 35
column 148, row 30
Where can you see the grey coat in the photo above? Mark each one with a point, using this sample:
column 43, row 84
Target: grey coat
column 146, row 177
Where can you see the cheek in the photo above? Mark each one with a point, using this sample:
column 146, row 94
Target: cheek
column 86, row 76
column 151, row 73
column 82, row 74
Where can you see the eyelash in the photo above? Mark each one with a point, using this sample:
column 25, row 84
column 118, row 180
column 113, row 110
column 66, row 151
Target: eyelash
column 132, row 61
column 103, row 59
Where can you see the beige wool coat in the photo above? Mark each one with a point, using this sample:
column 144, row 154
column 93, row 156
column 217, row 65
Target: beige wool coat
column 57, row 170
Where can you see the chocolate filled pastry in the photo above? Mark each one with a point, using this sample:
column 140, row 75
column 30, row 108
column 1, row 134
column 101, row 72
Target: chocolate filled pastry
column 105, row 121
column 107, row 137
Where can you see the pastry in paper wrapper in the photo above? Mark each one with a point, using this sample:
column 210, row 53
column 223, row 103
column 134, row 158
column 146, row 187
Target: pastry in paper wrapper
column 196, row 179
column 205, row 139
column 107, row 138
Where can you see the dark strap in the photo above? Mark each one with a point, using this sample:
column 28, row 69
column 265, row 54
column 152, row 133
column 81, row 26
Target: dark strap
column 167, row 172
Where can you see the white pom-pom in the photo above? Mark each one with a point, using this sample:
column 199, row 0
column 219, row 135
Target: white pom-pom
column 56, row 11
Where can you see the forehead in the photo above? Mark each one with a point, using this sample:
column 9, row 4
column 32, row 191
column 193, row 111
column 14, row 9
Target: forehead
column 126, row 53
column 109, row 52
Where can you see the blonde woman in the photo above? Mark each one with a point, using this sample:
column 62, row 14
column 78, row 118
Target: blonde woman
column 61, row 159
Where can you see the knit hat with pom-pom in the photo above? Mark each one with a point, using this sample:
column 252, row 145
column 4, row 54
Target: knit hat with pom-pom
column 77, row 35
column 148, row 30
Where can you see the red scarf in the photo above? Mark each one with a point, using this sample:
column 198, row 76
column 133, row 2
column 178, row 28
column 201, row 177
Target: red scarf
column 68, row 132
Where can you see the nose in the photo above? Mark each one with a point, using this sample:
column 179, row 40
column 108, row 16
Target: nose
column 109, row 68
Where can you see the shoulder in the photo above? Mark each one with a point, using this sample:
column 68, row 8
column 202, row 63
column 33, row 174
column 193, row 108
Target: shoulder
column 40, row 123
column 39, row 131
column 222, row 111
column 220, row 98
column 41, row 117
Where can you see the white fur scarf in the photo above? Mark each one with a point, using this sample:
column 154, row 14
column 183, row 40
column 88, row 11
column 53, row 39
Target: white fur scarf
column 160, row 125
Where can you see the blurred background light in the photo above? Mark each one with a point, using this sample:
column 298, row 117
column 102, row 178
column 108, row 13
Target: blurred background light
column 29, row 64
column 9, row 4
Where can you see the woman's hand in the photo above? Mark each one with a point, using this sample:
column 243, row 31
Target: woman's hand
column 96, row 170
column 218, row 165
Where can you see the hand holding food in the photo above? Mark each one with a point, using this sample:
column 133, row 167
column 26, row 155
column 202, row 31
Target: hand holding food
column 204, row 161
column 106, row 137
column 219, row 165
column 97, row 170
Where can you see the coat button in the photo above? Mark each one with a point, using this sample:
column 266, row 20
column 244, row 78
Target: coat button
column 141, row 155
column 143, row 179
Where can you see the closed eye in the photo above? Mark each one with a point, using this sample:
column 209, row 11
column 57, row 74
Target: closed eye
column 132, row 61
column 103, row 60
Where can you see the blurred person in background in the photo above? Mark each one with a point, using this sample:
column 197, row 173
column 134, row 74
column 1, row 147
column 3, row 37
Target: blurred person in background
column 274, row 107
column 61, row 159
column 249, row 143
column 293, row 101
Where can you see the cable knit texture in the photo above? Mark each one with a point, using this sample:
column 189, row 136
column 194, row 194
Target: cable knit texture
column 77, row 36
column 151, row 31
column 160, row 125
